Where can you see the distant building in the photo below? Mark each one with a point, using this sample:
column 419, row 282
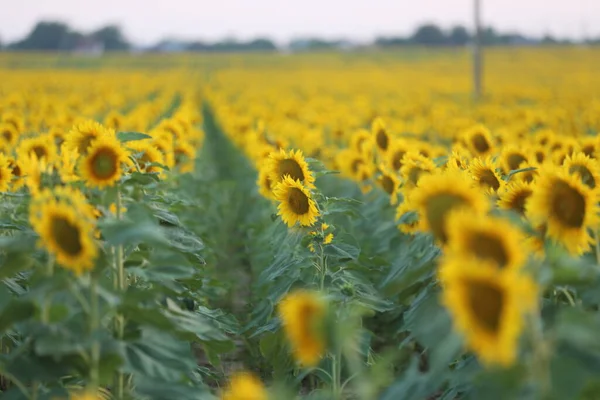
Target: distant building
column 89, row 47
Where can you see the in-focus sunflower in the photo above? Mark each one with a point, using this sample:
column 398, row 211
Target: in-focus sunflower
column 103, row 163
column 244, row 386
column 488, row 306
column 380, row 134
column 566, row 205
column 302, row 314
column 65, row 233
column 440, row 193
column 295, row 203
column 485, row 173
column 479, row 141
column 282, row 163
column 585, row 168
column 514, row 196
column 81, row 136
column 389, row 182
column 485, row 238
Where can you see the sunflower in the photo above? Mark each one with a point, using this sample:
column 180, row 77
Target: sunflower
column 281, row 164
column 163, row 141
column 485, row 173
column 302, row 314
column 65, row 233
column 325, row 237
column 397, row 149
column 512, row 157
column 41, row 147
column 146, row 156
column 16, row 171
column 488, row 306
column 295, row 203
column 458, row 158
column 380, row 134
column 361, row 141
column 410, row 225
column 8, row 134
column 485, row 238
column 389, row 182
column 566, row 205
column 81, row 136
column 478, row 140
column 414, row 166
column 585, row 168
column 440, row 193
column 67, row 168
column 244, row 386
column 185, row 155
column 103, row 163
column 514, row 196
column 5, row 173
column 589, row 146
column 265, row 185
column 33, row 171
column 85, row 395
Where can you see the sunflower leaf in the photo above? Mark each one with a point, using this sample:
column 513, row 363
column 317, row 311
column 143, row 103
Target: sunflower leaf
column 132, row 136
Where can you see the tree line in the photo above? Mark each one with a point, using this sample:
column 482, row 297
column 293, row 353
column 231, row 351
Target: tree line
column 58, row 36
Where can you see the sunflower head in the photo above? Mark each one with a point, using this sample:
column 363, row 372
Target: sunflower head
column 295, row 203
column 265, row 185
column 244, row 386
column 380, row 135
column 514, row 196
column 488, row 306
column 414, row 166
column 395, row 154
column 479, row 141
column 184, row 154
column 566, row 206
column 303, row 315
column 512, row 158
column 389, row 182
column 291, row 164
column 6, row 174
column 8, row 134
column 103, row 163
column 41, row 147
column 81, row 136
column 440, row 193
column 585, row 168
column 146, row 156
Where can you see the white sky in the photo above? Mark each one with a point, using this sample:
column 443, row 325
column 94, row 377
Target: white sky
column 146, row 21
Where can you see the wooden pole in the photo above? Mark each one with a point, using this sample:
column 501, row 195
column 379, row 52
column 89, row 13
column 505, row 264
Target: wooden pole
column 477, row 56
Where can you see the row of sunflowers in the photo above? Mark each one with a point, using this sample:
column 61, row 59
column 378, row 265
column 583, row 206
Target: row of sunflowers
column 319, row 226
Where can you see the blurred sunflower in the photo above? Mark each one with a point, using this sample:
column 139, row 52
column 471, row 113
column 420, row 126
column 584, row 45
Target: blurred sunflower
column 488, row 306
column 81, row 136
column 380, row 135
column 479, row 141
column 566, row 205
column 485, row 238
column 514, row 196
column 282, row 163
column 485, row 172
column 265, row 185
column 302, row 314
column 361, row 141
column 6, row 175
column 406, row 225
column 185, row 155
column 295, row 203
column 103, row 163
column 64, row 233
column 8, row 134
column 397, row 149
column 414, row 166
column 585, row 168
column 41, row 147
column 244, row 386
column 512, row 157
column 440, row 193
column 146, row 154
column 17, row 175
column 389, row 182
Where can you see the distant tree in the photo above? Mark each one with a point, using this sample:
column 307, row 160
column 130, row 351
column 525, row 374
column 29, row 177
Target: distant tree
column 46, row 35
column 391, row 41
column 111, row 37
column 430, row 35
column 261, row 44
column 459, row 36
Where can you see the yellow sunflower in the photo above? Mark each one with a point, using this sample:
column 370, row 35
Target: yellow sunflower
column 244, row 386
column 295, row 203
column 17, row 175
column 8, row 134
column 361, row 141
column 103, row 163
column 485, row 238
column 282, row 163
column 81, row 136
column 41, row 147
column 512, row 157
column 479, row 141
column 264, row 183
column 485, row 172
column 566, row 205
column 458, row 158
column 389, row 182
column 414, row 166
column 380, row 135
column 302, row 314
column 514, row 196
column 86, row 395
column 146, row 154
column 397, row 149
column 410, row 226
column 488, row 306
column 440, row 193
column 185, row 155
column 585, row 168
column 65, row 234
column 5, row 173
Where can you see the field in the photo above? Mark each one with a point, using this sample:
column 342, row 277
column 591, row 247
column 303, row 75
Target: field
column 317, row 226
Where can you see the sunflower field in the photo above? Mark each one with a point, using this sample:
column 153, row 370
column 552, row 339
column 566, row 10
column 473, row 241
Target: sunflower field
column 311, row 226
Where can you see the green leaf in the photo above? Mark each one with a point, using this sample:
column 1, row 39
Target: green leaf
column 15, row 311
column 132, row 136
column 164, row 390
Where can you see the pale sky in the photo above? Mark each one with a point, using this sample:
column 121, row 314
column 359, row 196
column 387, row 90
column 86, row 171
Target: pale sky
column 147, row 21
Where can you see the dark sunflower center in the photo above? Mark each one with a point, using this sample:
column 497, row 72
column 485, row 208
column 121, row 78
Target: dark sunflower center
column 298, row 201
column 104, row 163
column 292, row 168
column 515, row 160
column 66, row 235
column 397, row 159
column 486, row 302
column 414, row 174
column 568, row 205
column 488, row 247
column 388, row 184
column 518, row 201
column 84, row 143
column 480, row 143
column 382, row 139
column 586, row 176
column 437, row 209
column 356, row 165
column 40, row 151
column 589, row 150
column 16, row 170
column 540, row 156
column 489, row 179
column 7, row 135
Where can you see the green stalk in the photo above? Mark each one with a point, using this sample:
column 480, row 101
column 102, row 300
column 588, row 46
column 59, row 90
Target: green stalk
column 94, row 325
column 121, row 286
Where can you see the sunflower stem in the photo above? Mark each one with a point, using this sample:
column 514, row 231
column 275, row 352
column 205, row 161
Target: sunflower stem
column 94, row 325
column 540, row 365
column 120, row 285
column 597, row 240
column 336, row 373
